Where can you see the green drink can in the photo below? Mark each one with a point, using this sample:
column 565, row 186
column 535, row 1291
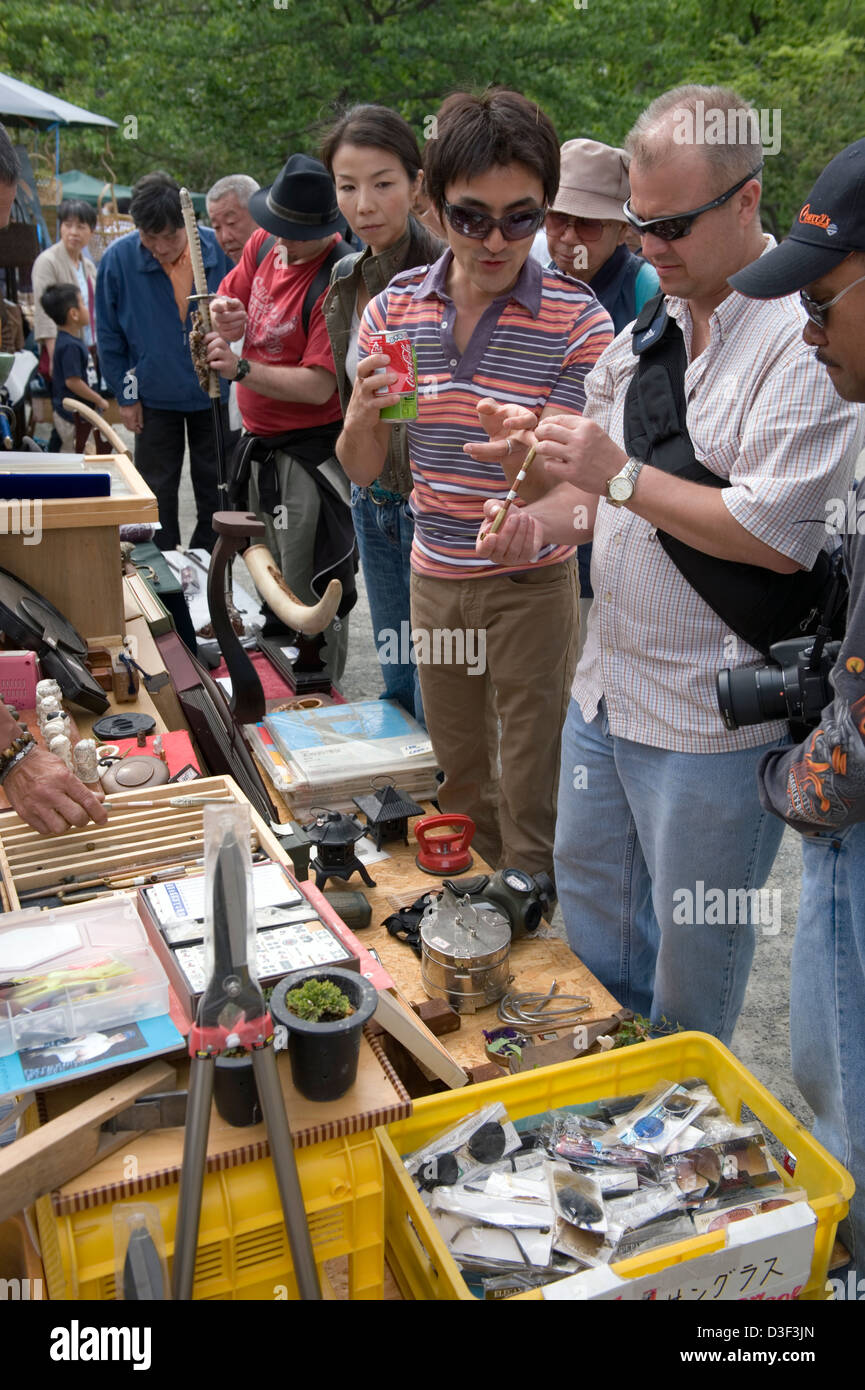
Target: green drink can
column 399, row 350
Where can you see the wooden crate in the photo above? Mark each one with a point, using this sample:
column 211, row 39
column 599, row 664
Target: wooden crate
column 76, row 564
column 145, row 836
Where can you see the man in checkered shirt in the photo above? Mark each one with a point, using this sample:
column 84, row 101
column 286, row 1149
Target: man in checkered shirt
column 661, row 839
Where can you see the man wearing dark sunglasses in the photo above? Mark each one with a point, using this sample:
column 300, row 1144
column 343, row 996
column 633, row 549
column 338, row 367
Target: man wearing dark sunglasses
column 489, row 325
column 819, row 786
column 656, row 795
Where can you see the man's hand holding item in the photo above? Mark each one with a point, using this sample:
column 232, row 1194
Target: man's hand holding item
column 45, row 794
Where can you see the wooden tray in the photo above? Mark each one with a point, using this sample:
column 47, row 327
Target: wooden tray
column 150, row 836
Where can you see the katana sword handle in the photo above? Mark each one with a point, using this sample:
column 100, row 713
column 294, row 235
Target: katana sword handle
column 199, row 278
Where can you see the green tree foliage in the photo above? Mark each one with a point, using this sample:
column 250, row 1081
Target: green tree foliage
column 206, row 87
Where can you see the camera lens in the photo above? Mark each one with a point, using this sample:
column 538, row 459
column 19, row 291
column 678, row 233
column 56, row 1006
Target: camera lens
column 750, row 695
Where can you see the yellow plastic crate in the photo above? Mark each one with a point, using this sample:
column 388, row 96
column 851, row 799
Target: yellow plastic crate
column 243, row 1250
column 416, row 1252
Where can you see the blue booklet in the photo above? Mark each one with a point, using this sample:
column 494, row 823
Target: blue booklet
column 69, row 1059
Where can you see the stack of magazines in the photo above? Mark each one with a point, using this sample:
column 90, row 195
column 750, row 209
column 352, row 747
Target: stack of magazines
column 327, row 756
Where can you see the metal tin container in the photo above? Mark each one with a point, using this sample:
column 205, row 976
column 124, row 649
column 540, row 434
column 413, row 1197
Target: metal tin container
column 465, row 953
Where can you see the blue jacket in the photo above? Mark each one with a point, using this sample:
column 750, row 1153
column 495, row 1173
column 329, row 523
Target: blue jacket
column 143, row 346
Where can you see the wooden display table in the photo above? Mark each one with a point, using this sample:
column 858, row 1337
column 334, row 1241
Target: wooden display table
column 535, row 961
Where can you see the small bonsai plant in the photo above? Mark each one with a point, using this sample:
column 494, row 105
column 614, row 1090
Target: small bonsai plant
column 319, row 1001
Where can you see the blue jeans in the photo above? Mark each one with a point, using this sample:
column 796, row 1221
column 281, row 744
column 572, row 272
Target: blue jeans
column 827, row 1007
column 657, row 858
column 384, row 539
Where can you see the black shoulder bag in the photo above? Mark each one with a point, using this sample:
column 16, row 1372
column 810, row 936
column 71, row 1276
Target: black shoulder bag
column 760, row 606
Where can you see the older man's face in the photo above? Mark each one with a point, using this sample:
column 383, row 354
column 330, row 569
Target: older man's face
column 232, row 223
column 7, row 198
column 718, row 244
column 840, row 343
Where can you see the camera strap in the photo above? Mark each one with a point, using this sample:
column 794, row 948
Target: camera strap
column 760, row 606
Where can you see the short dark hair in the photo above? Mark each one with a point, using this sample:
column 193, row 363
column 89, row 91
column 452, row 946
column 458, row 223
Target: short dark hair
column 10, row 166
column 155, row 204
column 375, row 127
column 76, row 210
column 477, row 133
column 58, row 300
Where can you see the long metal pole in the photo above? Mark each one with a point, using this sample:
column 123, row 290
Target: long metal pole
column 282, row 1152
column 201, row 1074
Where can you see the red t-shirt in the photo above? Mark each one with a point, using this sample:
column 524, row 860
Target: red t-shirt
column 273, row 294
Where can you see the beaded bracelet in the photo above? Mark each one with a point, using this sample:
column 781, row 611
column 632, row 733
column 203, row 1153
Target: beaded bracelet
column 11, row 756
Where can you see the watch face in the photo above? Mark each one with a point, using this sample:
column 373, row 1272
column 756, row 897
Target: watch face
column 620, row 489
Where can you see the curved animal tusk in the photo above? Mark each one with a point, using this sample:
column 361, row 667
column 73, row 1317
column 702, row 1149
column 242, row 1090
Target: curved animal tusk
column 286, row 605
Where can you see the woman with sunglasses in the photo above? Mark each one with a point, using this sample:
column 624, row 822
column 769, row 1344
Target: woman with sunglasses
column 375, row 162
column 586, row 229
column 495, row 642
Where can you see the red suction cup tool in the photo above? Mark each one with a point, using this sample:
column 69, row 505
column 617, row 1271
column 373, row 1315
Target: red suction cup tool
column 444, row 844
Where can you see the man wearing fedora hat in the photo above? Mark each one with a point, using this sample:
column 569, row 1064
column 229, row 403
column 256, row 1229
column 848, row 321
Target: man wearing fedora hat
column 286, row 389
column 585, row 232
column 818, row 787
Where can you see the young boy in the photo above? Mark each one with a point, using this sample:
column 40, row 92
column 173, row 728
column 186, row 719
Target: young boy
column 73, row 372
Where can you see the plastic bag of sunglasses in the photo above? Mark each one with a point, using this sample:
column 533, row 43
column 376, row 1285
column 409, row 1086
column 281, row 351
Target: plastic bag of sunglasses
column 470, row 1148
column 496, row 1286
column 474, row 1225
column 527, row 1177
column 717, row 1129
column 590, row 1248
column 716, row 1174
column 577, row 1199
column 588, row 1154
column 664, row 1113
column 631, row 1212
column 719, row 1217
column 662, row 1230
column 611, row 1108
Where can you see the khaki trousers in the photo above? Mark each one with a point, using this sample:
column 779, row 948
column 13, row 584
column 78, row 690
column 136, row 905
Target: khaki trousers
column 499, row 651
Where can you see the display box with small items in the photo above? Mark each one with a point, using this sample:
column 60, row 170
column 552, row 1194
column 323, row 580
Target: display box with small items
column 632, row 1175
column 77, row 970
column 290, row 933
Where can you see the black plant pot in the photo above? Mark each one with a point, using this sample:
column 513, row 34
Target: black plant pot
column 324, row 1056
column 235, row 1093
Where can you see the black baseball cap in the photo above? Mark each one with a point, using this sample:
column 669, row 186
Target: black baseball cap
column 828, row 227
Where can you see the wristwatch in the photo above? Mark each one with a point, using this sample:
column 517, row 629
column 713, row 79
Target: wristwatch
column 243, row 368
column 620, row 488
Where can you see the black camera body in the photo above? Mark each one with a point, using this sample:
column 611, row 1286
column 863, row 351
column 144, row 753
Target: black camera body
column 523, row 899
column 793, row 684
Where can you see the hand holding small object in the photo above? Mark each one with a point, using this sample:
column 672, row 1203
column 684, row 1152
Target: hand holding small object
column 48, row 797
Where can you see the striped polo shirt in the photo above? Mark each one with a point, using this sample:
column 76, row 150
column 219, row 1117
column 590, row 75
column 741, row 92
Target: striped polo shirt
column 533, row 347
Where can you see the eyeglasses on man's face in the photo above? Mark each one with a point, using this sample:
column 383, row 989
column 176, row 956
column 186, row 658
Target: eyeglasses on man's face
column 514, row 226
column 817, row 310
column 672, row 228
column 586, row 228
